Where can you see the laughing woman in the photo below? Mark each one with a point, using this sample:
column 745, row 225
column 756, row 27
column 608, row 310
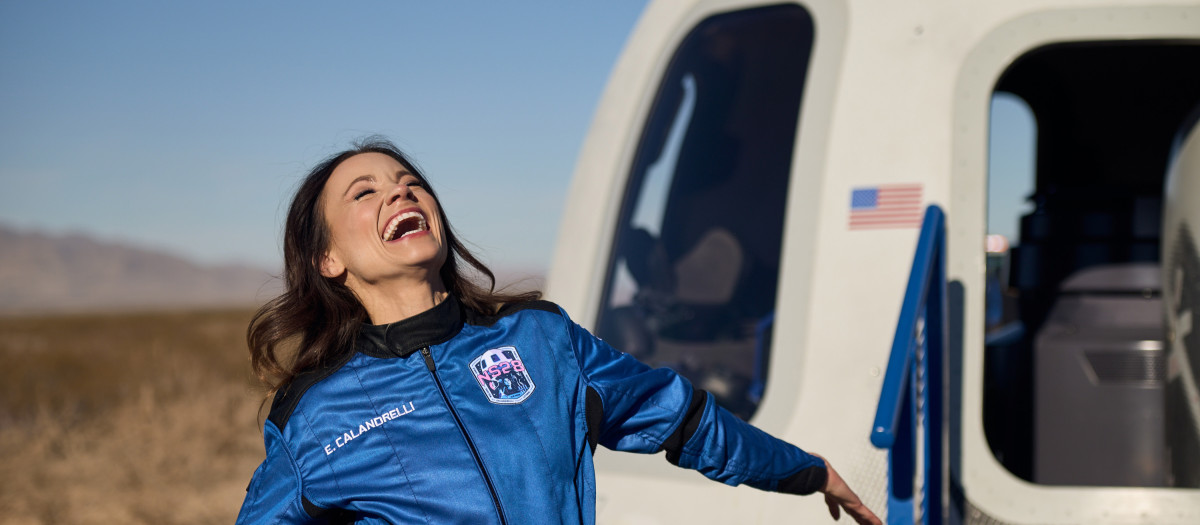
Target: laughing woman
column 417, row 396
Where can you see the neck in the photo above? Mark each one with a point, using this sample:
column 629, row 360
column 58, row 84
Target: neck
column 396, row 302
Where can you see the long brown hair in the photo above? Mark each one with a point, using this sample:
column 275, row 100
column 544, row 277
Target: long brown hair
column 321, row 315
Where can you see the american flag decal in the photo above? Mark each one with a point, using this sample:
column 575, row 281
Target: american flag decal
column 889, row 206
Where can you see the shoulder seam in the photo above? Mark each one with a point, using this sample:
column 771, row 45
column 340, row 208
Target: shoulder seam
column 545, row 306
column 289, row 395
column 510, row 309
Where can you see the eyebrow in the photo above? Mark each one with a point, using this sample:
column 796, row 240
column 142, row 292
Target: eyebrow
column 356, row 181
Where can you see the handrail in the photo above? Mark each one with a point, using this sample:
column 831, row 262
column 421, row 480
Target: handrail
column 913, row 384
column 883, row 432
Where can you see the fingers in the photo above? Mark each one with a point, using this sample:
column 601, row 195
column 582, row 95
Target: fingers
column 862, row 515
column 839, row 496
column 834, row 509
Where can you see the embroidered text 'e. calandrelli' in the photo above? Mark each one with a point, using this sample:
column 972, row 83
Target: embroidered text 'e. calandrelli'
column 349, row 435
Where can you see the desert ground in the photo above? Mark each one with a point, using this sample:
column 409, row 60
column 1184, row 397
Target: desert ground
column 127, row 418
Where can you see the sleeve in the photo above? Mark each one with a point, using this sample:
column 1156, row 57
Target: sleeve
column 274, row 492
column 647, row 410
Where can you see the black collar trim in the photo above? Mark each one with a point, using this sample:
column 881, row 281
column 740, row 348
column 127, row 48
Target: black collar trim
column 401, row 338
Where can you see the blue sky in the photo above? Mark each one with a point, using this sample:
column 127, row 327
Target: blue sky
column 184, row 126
column 1011, row 153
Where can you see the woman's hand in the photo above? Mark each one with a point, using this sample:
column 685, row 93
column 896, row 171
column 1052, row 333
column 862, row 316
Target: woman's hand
column 839, row 496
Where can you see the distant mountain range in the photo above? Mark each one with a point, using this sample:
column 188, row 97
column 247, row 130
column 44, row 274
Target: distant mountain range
column 42, row 273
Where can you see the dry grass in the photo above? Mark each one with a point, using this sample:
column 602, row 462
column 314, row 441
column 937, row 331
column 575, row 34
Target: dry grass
column 136, row 418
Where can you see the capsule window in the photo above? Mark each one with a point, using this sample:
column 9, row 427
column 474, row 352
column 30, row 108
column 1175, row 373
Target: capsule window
column 691, row 283
column 1077, row 389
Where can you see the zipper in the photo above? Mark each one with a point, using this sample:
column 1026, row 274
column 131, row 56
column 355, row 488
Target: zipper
column 462, row 428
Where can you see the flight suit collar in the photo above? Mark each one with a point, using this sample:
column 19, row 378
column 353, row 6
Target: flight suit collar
column 401, row 338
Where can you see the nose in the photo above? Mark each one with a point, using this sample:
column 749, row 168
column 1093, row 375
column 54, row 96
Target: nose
column 401, row 192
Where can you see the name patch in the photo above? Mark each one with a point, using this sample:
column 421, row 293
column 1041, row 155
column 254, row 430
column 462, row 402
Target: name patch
column 377, row 421
column 503, row 376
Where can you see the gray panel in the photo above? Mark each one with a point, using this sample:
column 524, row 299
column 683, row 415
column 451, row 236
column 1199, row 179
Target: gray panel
column 1099, row 372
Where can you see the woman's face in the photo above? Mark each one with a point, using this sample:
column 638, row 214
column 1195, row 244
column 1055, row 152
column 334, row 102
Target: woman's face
column 383, row 223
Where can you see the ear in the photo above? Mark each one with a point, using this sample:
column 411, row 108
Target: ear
column 331, row 267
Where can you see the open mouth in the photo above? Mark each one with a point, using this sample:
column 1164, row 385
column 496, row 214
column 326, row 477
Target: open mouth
column 405, row 224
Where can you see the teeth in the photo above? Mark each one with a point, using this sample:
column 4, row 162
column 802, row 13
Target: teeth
column 420, row 228
column 390, row 232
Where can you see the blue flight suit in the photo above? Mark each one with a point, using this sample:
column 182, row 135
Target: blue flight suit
column 454, row 417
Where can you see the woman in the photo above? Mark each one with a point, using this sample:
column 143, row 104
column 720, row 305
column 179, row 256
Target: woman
column 417, row 396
